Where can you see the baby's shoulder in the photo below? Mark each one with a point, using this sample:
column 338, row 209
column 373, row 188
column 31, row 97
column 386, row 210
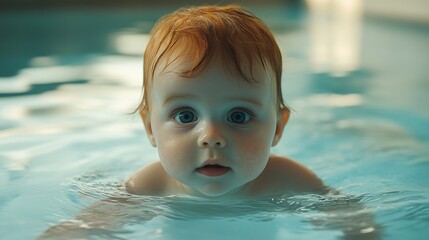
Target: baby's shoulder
column 148, row 180
column 283, row 174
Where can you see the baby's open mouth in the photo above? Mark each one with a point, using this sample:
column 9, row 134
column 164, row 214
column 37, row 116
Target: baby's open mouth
column 213, row 170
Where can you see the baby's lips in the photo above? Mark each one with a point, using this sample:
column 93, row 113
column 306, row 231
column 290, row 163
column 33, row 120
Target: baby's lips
column 212, row 162
column 212, row 166
column 213, row 170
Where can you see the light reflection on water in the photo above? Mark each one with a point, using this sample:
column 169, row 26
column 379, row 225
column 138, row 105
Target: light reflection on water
column 67, row 140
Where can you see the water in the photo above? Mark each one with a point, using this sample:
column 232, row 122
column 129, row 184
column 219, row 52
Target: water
column 67, row 140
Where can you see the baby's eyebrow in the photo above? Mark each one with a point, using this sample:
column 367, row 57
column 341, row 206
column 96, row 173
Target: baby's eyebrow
column 178, row 97
column 175, row 97
column 249, row 100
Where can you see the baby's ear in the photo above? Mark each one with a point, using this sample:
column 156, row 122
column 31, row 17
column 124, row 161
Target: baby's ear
column 282, row 119
column 145, row 115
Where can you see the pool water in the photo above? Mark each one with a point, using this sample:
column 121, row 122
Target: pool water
column 68, row 140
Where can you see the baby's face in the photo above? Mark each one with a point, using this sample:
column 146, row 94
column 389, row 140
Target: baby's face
column 214, row 131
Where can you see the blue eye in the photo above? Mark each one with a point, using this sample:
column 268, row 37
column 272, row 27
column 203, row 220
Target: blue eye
column 239, row 117
column 185, row 116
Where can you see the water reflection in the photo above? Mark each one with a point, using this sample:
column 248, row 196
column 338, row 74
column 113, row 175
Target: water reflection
column 116, row 69
column 332, row 100
column 18, row 161
column 104, row 70
column 44, row 61
column 130, row 43
column 47, row 107
column 335, row 27
column 13, row 85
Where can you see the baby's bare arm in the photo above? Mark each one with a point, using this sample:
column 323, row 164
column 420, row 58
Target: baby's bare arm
column 102, row 216
column 111, row 213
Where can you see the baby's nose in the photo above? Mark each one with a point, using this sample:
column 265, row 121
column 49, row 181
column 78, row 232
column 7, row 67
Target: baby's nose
column 212, row 137
column 212, row 143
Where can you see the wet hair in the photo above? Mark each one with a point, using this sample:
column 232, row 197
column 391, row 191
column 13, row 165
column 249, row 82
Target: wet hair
column 199, row 34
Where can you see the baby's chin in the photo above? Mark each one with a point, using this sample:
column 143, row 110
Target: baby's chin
column 219, row 190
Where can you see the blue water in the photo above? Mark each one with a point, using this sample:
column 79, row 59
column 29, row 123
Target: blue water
column 67, row 140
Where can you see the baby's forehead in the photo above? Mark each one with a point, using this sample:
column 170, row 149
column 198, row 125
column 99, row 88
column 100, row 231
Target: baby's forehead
column 215, row 80
column 184, row 66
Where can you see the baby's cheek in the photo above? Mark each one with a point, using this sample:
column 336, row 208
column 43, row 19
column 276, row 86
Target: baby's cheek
column 258, row 141
column 169, row 150
column 175, row 151
column 254, row 149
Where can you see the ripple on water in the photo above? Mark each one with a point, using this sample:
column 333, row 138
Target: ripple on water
column 111, row 196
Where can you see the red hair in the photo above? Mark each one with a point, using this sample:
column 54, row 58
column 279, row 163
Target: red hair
column 242, row 40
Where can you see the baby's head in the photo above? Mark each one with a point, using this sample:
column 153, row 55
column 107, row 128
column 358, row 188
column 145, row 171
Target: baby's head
column 195, row 36
column 212, row 101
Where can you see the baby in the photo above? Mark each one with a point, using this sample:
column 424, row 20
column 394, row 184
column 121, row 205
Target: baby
column 213, row 107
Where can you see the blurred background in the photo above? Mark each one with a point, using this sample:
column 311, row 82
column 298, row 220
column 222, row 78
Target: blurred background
column 38, row 32
column 44, row 43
